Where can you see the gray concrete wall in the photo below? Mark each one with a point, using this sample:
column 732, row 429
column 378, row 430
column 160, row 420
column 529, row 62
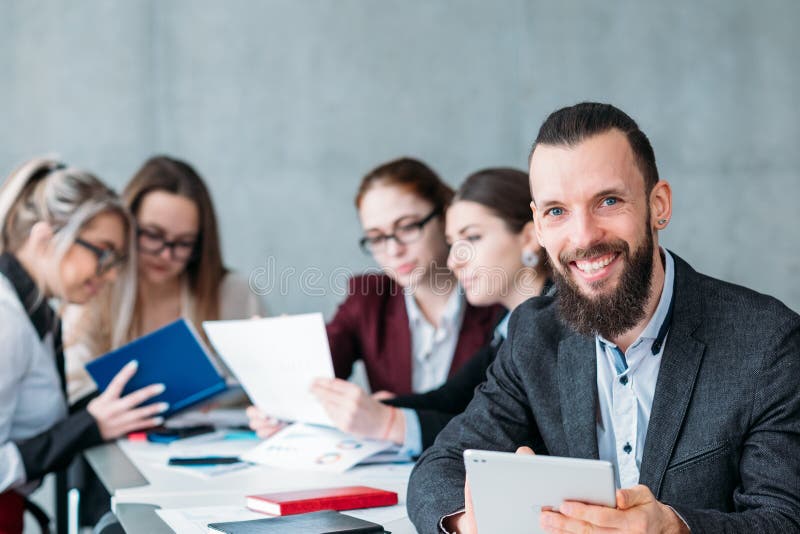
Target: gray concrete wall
column 283, row 105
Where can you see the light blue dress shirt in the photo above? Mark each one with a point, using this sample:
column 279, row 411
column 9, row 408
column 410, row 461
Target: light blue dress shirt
column 626, row 384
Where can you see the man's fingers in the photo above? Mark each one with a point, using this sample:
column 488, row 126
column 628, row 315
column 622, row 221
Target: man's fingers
column 556, row 523
column 525, row 450
column 383, row 395
column 635, row 496
column 117, row 384
column 601, row 516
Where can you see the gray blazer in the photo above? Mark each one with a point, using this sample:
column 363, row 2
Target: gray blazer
column 723, row 443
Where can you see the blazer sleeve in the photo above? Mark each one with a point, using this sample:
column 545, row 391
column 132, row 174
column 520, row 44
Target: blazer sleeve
column 437, row 407
column 55, row 448
column 500, row 409
column 768, row 498
column 344, row 336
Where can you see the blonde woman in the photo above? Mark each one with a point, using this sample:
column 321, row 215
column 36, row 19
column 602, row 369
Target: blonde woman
column 64, row 236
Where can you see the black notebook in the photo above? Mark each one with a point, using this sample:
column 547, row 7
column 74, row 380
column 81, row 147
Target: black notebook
column 327, row 522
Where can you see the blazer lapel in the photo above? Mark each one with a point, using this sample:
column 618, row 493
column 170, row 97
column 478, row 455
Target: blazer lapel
column 577, row 384
column 680, row 364
column 398, row 344
column 476, row 331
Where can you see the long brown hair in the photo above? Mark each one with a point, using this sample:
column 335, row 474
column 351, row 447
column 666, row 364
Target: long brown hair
column 205, row 269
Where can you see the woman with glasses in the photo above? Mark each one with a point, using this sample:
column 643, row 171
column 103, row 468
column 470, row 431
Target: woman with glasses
column 179, row 266
column 496, row 258
column 409, row 324
column 64, row 236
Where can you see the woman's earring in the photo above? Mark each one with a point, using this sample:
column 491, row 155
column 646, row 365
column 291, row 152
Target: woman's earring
column 662, row 221
column 530, row 258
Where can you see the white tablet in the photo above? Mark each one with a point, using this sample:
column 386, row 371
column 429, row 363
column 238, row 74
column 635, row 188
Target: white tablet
column 509, row 490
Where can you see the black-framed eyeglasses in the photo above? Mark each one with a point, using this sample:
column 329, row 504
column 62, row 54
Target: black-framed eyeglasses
column 154, row 243
column 107, row 259
column 403, row 235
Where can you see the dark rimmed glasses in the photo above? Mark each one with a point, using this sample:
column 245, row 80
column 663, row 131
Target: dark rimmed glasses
column 107, row 259
column 154, row 243
column 402, row 235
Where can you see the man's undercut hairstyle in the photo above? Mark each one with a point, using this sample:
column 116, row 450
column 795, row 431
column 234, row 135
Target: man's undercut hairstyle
column 572, row 125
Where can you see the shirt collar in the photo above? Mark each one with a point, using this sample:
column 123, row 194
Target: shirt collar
column 501, row 330
column 36, row 306
column 451, row 316
column 658, row 326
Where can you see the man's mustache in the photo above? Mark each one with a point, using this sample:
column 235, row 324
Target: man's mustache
column 599, row 249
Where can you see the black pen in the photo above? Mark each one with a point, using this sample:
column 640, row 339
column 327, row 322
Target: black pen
column 205, row 460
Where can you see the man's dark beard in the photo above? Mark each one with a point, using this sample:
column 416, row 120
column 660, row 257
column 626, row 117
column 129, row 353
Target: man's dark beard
column 608, row 315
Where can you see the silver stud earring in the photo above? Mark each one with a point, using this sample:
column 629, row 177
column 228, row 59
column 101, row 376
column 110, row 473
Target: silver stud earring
column 662, row 221
column 530, row 258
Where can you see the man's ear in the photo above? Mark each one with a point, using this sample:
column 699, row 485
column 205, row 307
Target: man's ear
column 660, row 205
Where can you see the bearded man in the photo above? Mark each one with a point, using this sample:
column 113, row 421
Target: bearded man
column 686, row 384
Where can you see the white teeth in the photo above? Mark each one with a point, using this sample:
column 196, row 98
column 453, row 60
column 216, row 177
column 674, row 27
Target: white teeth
column 593, row 266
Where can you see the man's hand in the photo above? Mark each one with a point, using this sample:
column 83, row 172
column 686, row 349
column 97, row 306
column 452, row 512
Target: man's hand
column 637, row 511
column 464, row 523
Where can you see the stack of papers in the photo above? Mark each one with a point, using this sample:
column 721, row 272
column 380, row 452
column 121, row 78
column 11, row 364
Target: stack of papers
column 308, row 447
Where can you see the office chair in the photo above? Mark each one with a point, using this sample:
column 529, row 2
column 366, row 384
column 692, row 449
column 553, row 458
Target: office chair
column 39, row 515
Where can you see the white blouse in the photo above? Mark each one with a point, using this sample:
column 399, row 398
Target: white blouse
column 30, row 389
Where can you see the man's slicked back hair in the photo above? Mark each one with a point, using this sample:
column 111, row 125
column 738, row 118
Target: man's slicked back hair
column 572, row 125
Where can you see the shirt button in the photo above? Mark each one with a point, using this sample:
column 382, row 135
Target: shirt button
column 627, row 448
column 623, row 380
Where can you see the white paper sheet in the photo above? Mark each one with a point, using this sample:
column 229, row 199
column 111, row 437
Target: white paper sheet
column 306, row 447
column 276, row 360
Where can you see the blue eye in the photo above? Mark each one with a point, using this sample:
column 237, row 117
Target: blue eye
column 556, row 212
column 609, row 201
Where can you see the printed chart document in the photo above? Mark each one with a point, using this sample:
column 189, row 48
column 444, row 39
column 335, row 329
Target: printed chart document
column 276, row 360
column 314, row 448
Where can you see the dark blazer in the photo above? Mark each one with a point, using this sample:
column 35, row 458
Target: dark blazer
column 437, row 407
column 372, row 325
column 723, row 442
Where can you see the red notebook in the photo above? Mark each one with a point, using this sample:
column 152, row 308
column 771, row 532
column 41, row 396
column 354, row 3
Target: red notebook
column 300, row 502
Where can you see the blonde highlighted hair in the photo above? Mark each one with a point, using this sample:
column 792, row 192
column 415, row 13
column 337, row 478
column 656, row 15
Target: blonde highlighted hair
column 67, row 199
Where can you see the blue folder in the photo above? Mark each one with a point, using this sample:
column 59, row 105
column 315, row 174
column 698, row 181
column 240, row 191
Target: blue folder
column 172, row 355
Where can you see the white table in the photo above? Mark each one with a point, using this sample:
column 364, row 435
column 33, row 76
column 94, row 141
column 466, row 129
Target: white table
column 136, row 476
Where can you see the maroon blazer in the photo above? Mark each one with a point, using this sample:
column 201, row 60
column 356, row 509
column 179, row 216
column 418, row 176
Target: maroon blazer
column 372, row 325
